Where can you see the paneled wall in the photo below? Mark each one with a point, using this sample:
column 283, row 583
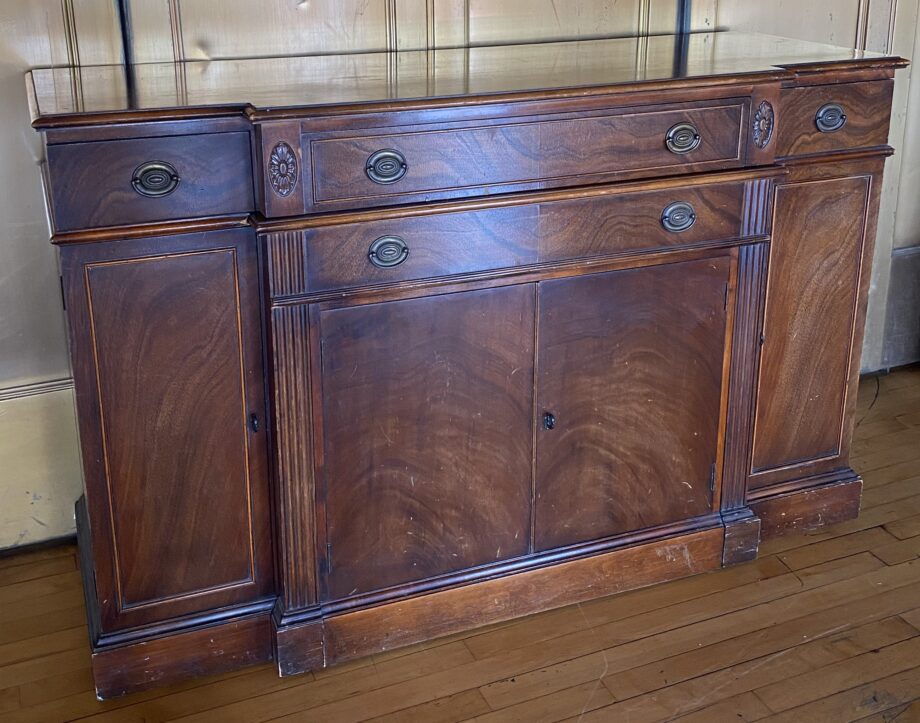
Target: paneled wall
column 40, row 477
column 39, row 464
column 892, row 26
column 200, row 29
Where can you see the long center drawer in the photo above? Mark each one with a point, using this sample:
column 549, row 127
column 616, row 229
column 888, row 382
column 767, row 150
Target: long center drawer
column 366, row 167
column 399, row 247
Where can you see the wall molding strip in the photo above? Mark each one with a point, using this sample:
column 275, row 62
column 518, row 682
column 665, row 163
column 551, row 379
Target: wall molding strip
column 34, row 389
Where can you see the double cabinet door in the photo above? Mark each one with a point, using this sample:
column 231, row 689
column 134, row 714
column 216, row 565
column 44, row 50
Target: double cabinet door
column 464, row 429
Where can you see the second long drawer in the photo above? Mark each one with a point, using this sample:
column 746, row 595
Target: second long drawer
column 406, row 245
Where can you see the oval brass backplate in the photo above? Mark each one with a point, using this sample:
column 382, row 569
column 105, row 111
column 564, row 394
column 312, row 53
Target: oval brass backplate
column 388, row 251
column 155, row 179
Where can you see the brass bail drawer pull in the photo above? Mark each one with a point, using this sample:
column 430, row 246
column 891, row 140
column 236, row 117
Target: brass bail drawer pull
column 386, row 166
column 155, row 179
column 830, row 117
column 678, row 217
column 388, row 251
column 683, row 138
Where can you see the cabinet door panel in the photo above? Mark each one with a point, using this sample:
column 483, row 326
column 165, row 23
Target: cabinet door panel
column 170, row 371
column 427, row 428
column 630, row 365
column 815, row 261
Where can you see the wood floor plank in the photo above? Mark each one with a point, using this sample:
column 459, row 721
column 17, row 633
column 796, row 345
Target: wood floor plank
column 19, row 597
column 904, row 527
column 859, row 702
column 9, row 699
column 723, row 625
column 743, row 707
column 37, row 625
column 575, row 702
column 678, row 697
column 899, row 551
column 880, row 458
column 891, row 492
column 905, row 438
column 912, row 617
column 703, row 691
column 60, row 685
column 841, row 676
column 834, row 570
column 879, row 427
column 24, row 650
column 45, row 568
column 13, row 558
column 52, row 595
column 909, row 713
column 463, row 706
column 837, row 547
column 875, row 629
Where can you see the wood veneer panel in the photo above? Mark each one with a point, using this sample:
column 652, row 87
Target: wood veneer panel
column 427, row 428
column 631, row 366
column 442, row 160
column 478, row 240
column 92, row 182
column 868, row 110
column 814, row 278
column 168, row 366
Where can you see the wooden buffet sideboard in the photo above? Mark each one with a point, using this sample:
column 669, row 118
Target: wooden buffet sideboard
column 374, row 349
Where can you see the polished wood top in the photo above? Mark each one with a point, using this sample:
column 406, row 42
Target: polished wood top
column 271, row 86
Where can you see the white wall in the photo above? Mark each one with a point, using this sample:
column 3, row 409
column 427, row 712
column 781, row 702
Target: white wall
column 40, row 475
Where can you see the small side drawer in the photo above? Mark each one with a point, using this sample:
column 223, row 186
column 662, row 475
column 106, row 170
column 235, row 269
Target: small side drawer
column 461, row 242
column 109, row 183
column 373, row 168
column 822, row 118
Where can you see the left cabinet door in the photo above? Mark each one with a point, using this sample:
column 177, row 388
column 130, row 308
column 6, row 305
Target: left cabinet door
column 426, row 421
column 167, row 352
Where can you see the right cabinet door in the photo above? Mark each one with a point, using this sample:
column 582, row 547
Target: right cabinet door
column 809, row 356
column 630, row 388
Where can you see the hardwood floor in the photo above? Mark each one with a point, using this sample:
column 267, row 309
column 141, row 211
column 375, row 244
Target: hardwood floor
column 820, row 628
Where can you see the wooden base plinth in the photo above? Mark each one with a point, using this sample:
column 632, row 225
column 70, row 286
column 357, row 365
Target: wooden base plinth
column 809, row 508
column 299, row 645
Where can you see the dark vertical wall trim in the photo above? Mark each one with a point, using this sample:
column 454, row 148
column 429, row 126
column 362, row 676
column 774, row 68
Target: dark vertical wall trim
column 682, row 41
column 127, row 50
column 683, row 16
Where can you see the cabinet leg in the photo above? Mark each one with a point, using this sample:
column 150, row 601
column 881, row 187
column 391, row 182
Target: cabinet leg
column 742, row 536
column 299, row 647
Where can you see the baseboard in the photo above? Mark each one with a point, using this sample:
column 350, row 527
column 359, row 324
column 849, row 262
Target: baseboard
column 176, row 657
column 356, row 634
column 60, row 541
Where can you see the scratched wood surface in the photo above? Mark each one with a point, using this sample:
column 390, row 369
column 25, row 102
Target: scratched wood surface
column 821, row 628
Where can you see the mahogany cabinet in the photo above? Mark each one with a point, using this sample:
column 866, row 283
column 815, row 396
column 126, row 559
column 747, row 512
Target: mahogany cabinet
column 360, row 363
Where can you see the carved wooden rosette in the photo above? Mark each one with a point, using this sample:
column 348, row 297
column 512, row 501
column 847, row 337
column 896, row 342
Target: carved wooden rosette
column 283, row 173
